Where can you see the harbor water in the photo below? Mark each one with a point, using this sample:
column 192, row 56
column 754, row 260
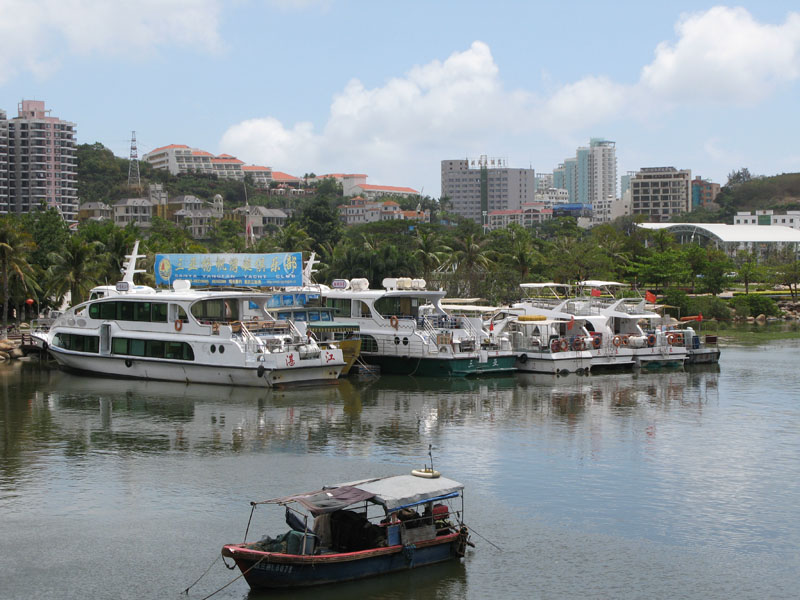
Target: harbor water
column 666, row 484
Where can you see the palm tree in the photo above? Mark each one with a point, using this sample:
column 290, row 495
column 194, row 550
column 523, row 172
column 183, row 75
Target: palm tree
column 430, row 251
column 76, row 269
column 15, row 246
column 470, row 260
column 293, row 238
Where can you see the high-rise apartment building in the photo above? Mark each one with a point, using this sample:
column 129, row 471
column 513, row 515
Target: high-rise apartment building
column 3, row 163
column 591, row 176
column 659, row 193
column 476, row 186
column 42, row 162
column 704, row 192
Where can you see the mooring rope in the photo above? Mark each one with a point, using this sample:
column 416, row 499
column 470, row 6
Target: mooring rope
column 472, row 530
column 186, row 591
column 242, row 574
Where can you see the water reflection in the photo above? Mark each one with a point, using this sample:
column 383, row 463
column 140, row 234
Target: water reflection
column 388, row 416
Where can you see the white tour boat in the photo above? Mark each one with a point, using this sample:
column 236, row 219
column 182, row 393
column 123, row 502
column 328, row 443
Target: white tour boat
column 404, row 330
column 545, row 345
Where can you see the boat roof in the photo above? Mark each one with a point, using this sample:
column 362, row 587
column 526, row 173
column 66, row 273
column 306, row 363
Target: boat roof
column 601, row 283
column 393, row 493
column 454, row 308
column 544, row 285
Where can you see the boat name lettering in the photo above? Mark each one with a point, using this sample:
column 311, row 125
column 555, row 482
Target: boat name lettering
column 265, row 566
column 290, row 360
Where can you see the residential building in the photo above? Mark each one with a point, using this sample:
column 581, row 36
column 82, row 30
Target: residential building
column 611, row 208
column 286, row 180
column 373, row 192
column 179, row 158
column 95, row 211
column 3, row 163
column 530, row 214
column 591, row 176
column 704, row 192
column 363, row 210
column 261, row 176
column 478, row 186
column 791, row 218
column 552, row 196
column 41, row 161
column 659, row 193
column 136, row 211
column 259, row 221
column 543, row 181
column 195, row 215
column 347, row 181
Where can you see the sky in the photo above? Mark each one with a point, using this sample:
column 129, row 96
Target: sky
column 392, row 89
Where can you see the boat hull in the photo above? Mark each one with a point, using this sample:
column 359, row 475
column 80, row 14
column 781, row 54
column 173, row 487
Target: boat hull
column 570, row 362
column 269, row 570
column 441, row 367
column 143, row 368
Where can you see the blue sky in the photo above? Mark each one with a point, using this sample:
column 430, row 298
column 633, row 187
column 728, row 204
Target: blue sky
column 391, row 89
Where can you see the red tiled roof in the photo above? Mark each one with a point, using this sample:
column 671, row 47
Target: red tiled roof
column 387, row 188
column 201, row 153
column 255, row 168
column 168, row 147
column 280, row 176
column 227, row 160
column 390, row 203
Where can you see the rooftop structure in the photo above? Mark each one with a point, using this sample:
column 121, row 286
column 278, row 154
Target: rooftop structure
column 732, row 238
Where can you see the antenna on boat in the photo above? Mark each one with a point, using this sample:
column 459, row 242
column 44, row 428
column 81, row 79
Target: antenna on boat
column 309, row 270
column 129, row 266
column 430, row 454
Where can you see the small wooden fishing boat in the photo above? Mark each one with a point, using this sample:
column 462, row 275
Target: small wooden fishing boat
column 358, row 529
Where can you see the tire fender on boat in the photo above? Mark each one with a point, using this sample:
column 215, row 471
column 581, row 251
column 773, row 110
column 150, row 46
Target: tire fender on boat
column 178, row 324
column 523, row 358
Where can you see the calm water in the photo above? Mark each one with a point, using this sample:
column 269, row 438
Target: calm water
column 682, row 484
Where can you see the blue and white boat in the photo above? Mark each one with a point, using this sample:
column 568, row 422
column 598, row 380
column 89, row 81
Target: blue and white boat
column 358, row 529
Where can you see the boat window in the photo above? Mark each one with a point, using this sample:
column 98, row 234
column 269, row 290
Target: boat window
column 363, row 309
column 125, row 311
column 300, row 315
column 216, row 310
column 152, row 348
column 313, row 315
column 326, row 316
column 341, row 308
column 285, row 314
column 159, row 312
column 136, row 348
column 78, row 343
column 368, row 343
column 141, row 311
column 397, row 306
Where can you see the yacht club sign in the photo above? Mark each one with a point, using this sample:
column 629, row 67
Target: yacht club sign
column 250, row 270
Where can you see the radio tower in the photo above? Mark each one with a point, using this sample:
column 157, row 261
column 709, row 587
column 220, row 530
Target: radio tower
column 133, row 165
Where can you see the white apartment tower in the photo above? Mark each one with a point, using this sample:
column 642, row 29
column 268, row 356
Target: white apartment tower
column 42, row 162
column 3, row 163
column 602, row 170
column 477, row 186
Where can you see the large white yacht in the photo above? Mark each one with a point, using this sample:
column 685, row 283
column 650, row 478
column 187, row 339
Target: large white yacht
column 404, row 330
column 187, row 335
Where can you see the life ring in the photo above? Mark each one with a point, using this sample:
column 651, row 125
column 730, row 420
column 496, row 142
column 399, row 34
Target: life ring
column 651, row 340
column 426, row 473
column 625, row 340
column 554, row 346
column 579, row 344
column 671, row 339
column 564, row 345
column 178, row 324
column 394, row 322
column 617, row 341
column 596, row 341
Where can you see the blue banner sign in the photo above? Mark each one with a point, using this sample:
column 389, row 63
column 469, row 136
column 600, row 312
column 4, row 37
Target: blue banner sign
column 250, row 270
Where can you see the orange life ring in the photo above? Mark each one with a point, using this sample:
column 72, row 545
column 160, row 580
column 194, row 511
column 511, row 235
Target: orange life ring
column 579, row 344
column 596, row 341
column 554, row 346
column 564, row 345
column 178, row 324
column 671, row 339
column 651, row 340
column 625, row 340
column 617, row 341
column 394, row 322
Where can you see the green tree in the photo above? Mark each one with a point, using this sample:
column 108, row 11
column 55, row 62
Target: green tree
column 15, row 248
column 747, row 268
column 76, row 269
column 430, row 251
column 292, row 238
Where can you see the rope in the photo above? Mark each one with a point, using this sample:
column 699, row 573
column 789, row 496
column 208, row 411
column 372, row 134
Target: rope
column 484, row 539
column 242, row 574
column 186, row 591
column 252, row 510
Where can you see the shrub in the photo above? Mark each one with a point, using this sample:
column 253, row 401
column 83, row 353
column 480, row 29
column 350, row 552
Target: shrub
column 752, row 305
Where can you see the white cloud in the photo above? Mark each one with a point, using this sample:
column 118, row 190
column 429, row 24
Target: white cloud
column 724, row 55
column 33, row 33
